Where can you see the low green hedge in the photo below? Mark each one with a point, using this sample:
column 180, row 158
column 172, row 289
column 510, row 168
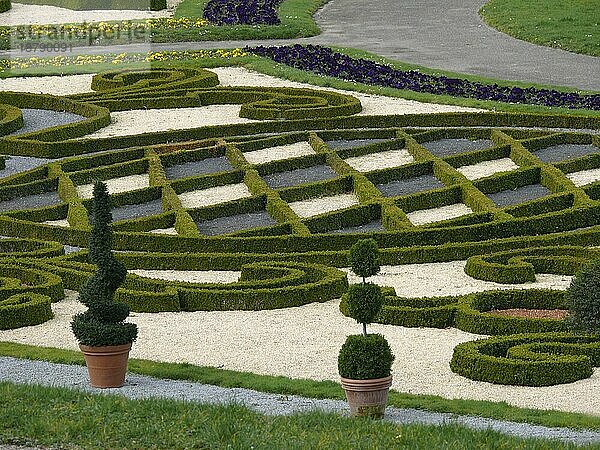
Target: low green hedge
column 11, row 118
column 84, row 5
column 22, row 310
column 5, row 5
column 542, row 359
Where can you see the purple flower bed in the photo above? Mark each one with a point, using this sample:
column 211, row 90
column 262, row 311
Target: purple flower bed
column 324, row 61
column 242, row 12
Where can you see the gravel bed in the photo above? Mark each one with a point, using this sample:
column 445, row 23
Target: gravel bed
column 58, row 223
column 372, row 226
column 214, row 195
column 53, row 85
column 519, row 195
column 279, row 152
column 117, row 185
column 564, row 152
column 202, row 167
column 239, row 222
column 410, row 186
column 584, row 177
column 18, row 164
column 304, row 342
column 21, row 14
column 447, row 147
column 322, row 205
column 296, row 177
column 381, row 160
column 138, row 121
column 171, row 231
column 39, row 119
column 31, row 201
column 487, row 168
column 126, row 212
column 142, row 387
column 191, row 276
column 432, row 215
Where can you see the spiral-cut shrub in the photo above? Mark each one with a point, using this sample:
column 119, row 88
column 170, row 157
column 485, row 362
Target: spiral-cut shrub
column 104, row 321
column 242, row 12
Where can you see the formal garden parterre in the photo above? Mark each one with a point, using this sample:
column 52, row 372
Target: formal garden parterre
column 275, row 203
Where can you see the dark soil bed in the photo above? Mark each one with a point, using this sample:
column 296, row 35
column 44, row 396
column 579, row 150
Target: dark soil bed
column 281, row 180
column 353, row 143
column 31, row 201
column 366, row 228
column 239, row 222
column 127, row 212
column 558, row 314
column 202, row 167
column 38, row 119
column 519, row 195
column 410, row 186
column 564, row 152
column 447, row 147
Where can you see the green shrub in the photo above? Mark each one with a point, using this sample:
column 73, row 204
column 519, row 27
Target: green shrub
column 104, row 321
column 364, row 258
column 583, row 298
column 364, row 302
column 24, row 310
column 365, row 357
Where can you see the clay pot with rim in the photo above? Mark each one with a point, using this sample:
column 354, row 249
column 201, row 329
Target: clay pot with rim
column 367, row 398
column 106, row 365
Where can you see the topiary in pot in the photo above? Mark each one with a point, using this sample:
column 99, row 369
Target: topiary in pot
column 104, row 336
column 365, row 361
column 583, row 298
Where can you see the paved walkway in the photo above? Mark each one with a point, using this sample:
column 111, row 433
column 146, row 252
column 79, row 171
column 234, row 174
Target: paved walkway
column 137, row 386
column 445, row 34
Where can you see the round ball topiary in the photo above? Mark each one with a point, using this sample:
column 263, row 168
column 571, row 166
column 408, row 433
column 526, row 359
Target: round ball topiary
column 364, row 302
column 364, row 258
column 365, row 357
column 583, row 298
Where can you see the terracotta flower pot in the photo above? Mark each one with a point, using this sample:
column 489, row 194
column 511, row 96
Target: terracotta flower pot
column 367, row 398
column 107, row 366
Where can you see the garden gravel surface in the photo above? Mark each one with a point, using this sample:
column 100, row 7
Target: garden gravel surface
column 303, row 342
column 584, row 177
column 424, row 216
column 137, row 386
column 280, row 180
column 21, row 14
column 447, row 147
column 39, row 119
column 565, row 152
column 279, row 152
column 117, row 185
column 409, row 186
column 322, row 205
column 201, row 167
column 18, row 164
column 380, row 160
column 234, row 223
column 519, row 195
column 487, row 168
column 53, row 85
column 58, row 223
column 214, row 195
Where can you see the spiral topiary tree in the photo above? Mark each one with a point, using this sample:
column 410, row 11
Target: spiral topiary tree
column 583, row 297
column 103, row 324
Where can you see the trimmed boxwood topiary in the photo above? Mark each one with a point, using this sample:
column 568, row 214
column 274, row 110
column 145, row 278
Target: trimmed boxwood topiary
column 103, row 323
column 364, row 258
column 365, row 357
column 583, row 297
column 364, row 302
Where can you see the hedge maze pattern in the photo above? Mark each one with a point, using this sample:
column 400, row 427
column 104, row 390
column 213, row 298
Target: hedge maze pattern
column 515, row 194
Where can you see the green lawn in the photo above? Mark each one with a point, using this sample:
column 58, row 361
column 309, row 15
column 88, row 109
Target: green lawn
column 572, row 25
column 52, row 416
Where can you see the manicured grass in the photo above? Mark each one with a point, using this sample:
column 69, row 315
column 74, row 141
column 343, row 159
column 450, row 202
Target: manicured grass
column 52, row 416
column 572, row 25
column 314, row 389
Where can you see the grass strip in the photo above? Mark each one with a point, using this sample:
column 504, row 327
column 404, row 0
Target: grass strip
column 570, row 25
column 313, row 389
column 52, row 416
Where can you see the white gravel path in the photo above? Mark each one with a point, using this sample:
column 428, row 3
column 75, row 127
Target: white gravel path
column 487, row 168
column 424, row 216
column 279, row 152
column 372, row 104
column 322, row 205
column 117, row 185
column 381, row 160
column 214, row 195
column 53, row 85
column 171, row 230
column 303, row 342
column 58, row 223
column 191, row 276
column 138, row 121
column 584, row 177
column 21, row 14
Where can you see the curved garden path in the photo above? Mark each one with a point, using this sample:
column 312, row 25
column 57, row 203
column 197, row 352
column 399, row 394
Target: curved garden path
column 444, row 34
